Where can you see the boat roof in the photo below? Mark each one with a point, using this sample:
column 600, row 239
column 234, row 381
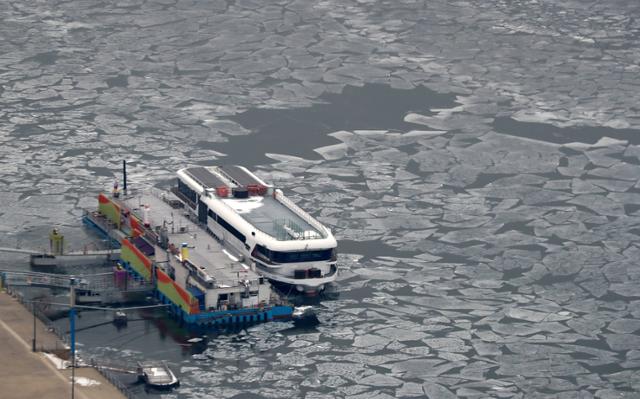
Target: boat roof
column 264, row 212
column 223, row 176
column 205, row 178
column 239, row 175
column 272, row 217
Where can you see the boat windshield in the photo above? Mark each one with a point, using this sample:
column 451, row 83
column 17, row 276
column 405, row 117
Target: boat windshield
column 294, row 257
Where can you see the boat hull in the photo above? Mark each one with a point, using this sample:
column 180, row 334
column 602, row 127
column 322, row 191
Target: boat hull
column 308, row 286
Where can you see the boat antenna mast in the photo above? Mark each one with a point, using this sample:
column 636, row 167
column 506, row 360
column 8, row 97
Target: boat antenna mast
column 124, row 176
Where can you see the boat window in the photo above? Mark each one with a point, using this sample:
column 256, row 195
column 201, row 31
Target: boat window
column 262, row 250
column 187, row 191
column 292, row 257
column 212, row 215
column 231, row 229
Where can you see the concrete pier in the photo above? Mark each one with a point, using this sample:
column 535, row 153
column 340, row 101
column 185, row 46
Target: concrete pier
column 28, row 375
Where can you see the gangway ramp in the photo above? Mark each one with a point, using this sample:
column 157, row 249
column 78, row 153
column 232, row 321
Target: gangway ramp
column 99, row 283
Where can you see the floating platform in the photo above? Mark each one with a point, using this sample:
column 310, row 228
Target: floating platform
column 202, row 282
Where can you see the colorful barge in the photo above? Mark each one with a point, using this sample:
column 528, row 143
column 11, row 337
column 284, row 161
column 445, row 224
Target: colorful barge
column 201, row 282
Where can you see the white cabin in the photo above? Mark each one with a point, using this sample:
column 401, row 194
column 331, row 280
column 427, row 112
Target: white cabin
column 256, row 222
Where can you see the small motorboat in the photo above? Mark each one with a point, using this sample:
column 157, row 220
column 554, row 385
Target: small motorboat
column 87, row 297
column 156, row 374
column 120, row 318
column 304, row 316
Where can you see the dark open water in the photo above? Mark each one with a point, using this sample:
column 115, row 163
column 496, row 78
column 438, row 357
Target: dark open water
column 477, row 160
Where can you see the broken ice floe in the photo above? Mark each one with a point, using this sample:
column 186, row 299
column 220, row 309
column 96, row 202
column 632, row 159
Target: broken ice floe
column 484, row 242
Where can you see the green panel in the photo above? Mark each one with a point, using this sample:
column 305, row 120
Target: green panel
column 111, row 211
column 170, row 292
column 127, row 255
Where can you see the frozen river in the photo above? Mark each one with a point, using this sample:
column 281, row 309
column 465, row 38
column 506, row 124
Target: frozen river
column 479, row 162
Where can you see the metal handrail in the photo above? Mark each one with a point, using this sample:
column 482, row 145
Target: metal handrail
column 279, row 196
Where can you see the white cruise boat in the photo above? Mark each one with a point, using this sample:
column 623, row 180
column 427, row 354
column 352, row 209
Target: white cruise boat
column 257, row 223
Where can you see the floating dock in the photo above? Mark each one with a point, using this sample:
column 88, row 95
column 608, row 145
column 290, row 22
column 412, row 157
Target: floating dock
column 203, row 282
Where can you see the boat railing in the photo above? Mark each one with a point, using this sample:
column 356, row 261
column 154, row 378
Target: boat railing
column 98, row 219
column 150, row 235
column 228, row 283
column 280, row 197
column 268, row 265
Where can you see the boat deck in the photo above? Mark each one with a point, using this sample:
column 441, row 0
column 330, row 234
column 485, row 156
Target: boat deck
column 204, row 251
column 272, row 217
column 264, row 212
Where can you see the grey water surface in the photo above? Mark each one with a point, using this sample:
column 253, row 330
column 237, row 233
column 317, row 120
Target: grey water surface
column 477, row 160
